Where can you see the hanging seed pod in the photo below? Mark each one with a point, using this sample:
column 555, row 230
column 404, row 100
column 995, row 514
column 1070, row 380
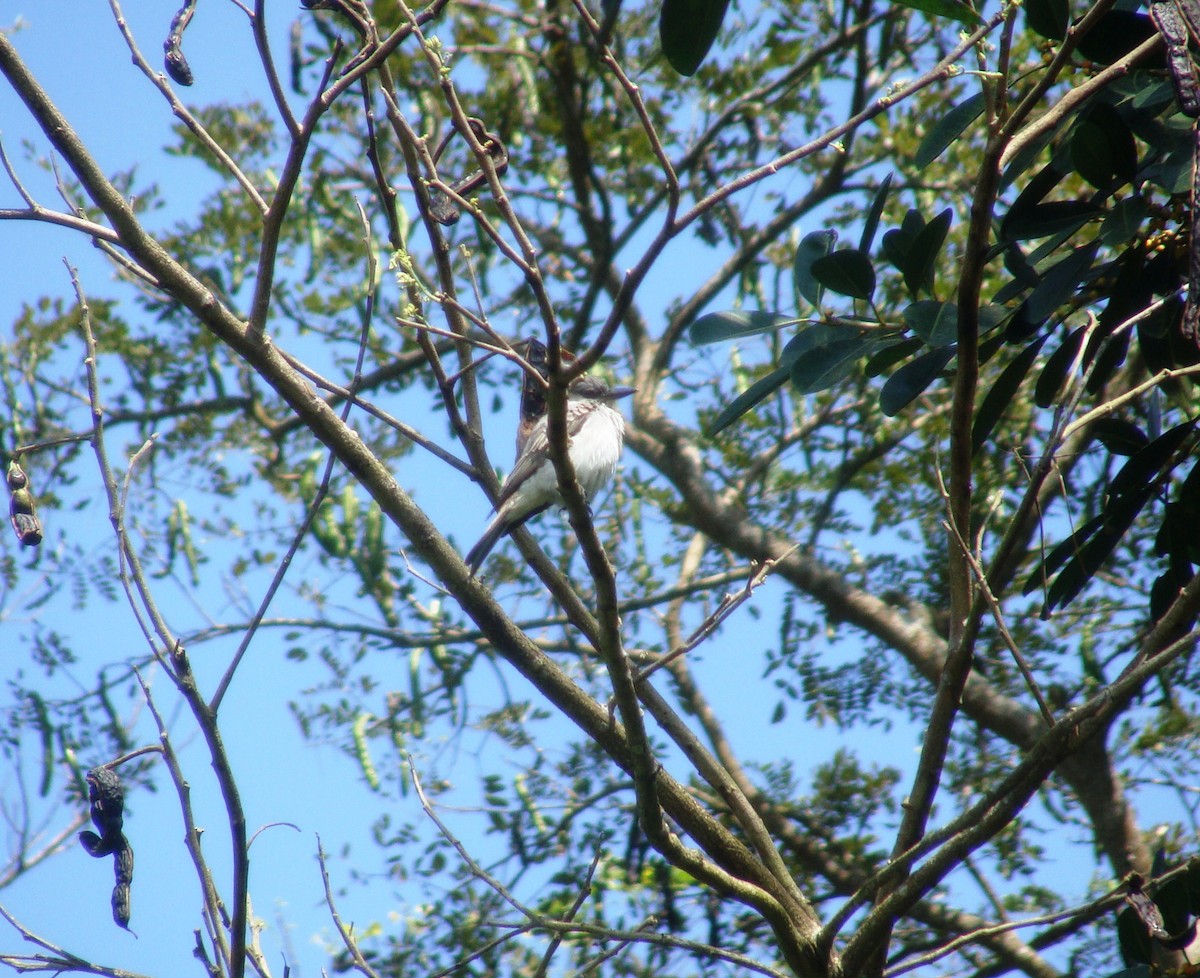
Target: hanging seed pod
column 21, row 508
column 174, row 61
column 107, row 797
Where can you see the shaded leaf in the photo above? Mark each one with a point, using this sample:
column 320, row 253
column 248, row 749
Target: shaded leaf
column 872, row 223
column 814, row 245
column 751, row 398
column 825, row 365
column 1145, row 466
column 1119, row 436
column 911, row 380
column 1054, row 373
column 891, row 353
column 947, row 129
column 922, row 255
column 1125, row 217
column 687, row 30
column 1091, row 556
column 1053, row 217
column 714, row 327
column 1057, row 285
column 1102, row 148
column 1002, row 394
column 897, row 243
column 1049, row 18
column 848, row 272
column 936, row 323
column 1116, row 34
column 954, row 9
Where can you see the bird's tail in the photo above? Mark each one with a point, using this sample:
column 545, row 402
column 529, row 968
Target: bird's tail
column 501, row 524
column 478, row 553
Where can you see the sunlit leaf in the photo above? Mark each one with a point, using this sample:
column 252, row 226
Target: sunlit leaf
column 947, row 129
column 953, row 9
column 750, row 398
column 714, row 327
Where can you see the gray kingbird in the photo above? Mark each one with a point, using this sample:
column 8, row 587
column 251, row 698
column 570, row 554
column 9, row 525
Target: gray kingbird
column 595, row 436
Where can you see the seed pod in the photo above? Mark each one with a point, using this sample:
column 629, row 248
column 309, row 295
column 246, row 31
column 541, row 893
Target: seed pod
column 21, row 508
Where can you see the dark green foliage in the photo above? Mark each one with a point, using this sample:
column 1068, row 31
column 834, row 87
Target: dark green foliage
column 687, row 30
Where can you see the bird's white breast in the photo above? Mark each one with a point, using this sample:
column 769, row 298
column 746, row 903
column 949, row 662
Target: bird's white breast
column 596, row 448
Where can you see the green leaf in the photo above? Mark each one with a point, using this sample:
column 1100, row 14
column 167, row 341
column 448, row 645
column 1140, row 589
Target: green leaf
column 889, row 353
column 1145, row 467
column 898, row 242
column 935, row 322
column 948, row 129
column 911, row 380
column 1054, row 373
column 1058, row 284
column 1119, row 436
column 687, row 30
column 848, row 272
column 1049, row 218
column 922, row 255
column 872, row 223
column 751, row 398
column 1123, row 221
column 1102, row 148
column 1118, row 516
column 954, row 9
column 827, row 365
column 1002, row 394
column 1049, row 18
column 1116, row 34
column 813, row 246
column 714, row 327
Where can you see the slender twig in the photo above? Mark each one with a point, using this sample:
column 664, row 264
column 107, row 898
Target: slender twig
column 181, row 112
column 62, row 961
column 314, row 508
column 1070, row 101
column 998, row 616
column 728, row 605
column 1096, row 907
column 996, row 808
column 258, row 22
column 191, row 831
column 346, row 933
column 167, row 649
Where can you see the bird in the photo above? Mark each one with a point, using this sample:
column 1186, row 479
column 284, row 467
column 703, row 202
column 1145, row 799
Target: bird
column 595, row 436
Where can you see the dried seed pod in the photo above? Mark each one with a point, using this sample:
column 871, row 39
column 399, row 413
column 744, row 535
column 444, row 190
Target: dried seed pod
column 174, row 61
column 107, row 797
column 21, row 508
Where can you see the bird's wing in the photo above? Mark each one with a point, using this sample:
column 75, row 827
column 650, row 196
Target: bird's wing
column 537, row 448
column 536, row 452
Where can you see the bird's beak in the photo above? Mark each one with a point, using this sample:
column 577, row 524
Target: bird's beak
column 616, row 392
